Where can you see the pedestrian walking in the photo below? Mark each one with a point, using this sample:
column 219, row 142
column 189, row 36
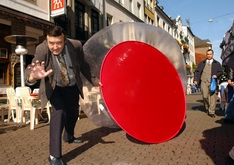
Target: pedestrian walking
column 207, row 69
column 57, row 64
column 223, row 93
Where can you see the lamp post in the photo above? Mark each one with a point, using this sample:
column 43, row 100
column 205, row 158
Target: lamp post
column 21, row 41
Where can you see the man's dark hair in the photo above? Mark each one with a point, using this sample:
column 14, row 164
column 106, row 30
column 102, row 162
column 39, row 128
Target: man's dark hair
column 56, row 31
column 210, row 50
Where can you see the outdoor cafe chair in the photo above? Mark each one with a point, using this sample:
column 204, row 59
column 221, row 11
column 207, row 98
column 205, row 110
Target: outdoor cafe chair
column 83, row 103
column 3, row 107
column 12, row 105
column 27, row 105
column 48, row 105
column 90, row 103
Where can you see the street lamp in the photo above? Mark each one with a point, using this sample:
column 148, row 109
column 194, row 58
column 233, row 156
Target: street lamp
column 21, row 41
column 210, row 20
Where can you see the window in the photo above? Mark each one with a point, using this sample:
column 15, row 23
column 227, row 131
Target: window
column 64, row 23
column 138, row 10
column 94, row 21
column 109, row 20
column 130, row 6
column 158, row 20
column 32, row 1
column 79, row 20
column 121, row 2
column 169, row 30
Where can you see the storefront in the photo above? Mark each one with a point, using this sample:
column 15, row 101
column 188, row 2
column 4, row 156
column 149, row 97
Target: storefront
column 16, row 23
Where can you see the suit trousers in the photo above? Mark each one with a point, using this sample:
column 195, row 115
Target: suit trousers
column 65, row 104
column 209, row 99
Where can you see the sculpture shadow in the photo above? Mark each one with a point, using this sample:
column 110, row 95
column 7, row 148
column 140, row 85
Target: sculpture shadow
column 92, row 137
column 134, row 140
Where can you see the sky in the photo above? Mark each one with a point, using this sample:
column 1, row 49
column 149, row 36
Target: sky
column 199, row 12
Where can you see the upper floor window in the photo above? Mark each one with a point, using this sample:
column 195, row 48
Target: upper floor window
column 121, row 2
column 158, row 20
column 130, row 6
column 169, row 29
column 94, row 21
column 79, row 20
column 109, row 20
column 138, row 10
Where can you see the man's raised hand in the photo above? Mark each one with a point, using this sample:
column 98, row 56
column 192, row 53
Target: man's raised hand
column 37, row 71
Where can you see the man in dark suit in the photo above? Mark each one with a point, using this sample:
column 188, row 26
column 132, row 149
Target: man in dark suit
column 207, row 69
column 57, row 63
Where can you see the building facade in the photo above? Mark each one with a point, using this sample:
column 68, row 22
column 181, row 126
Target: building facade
column 81, row 19
column 26, row 17
column 163, row 21
column 124, row 11
column 149, row 12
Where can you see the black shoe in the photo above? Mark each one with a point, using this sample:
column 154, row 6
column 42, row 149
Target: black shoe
column 75, row 140
column 55, row 161
column 228, row 121
column 229, row 161
column 212, row 115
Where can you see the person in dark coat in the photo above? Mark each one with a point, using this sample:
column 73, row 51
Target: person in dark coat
column 57, row 63
column 207, row 69
column 229, row 113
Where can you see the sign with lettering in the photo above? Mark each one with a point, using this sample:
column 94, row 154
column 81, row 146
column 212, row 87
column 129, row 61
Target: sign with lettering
column 58, row 7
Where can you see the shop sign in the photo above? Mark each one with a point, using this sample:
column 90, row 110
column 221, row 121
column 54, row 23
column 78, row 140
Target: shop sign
column 58, row 7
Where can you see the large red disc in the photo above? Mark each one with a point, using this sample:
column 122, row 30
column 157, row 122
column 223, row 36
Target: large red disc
column 143, row 91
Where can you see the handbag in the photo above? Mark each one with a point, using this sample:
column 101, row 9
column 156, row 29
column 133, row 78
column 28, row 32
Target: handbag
column 213, row 85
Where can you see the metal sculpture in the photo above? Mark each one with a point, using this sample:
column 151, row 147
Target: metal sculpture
column 144, row 79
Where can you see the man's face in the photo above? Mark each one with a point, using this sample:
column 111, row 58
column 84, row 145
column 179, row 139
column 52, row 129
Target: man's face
column 209, row 55
column 55, row 44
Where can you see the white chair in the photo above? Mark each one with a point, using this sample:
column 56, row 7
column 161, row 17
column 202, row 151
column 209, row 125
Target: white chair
column 84, row 103
column 48, row 106
column 3, row 107
column 12, row 105
column 28, row 106
column 36, row 90
column 96, row 95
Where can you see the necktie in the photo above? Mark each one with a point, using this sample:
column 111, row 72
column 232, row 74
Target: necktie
column 63, row 71
column 209, row 62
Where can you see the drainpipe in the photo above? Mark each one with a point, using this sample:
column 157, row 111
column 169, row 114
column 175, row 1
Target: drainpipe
column 104, row 13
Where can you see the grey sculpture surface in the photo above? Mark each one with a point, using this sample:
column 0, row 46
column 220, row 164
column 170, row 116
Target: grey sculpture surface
column 97, row 47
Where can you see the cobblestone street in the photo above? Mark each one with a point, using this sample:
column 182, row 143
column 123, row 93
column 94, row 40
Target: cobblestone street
column 203, row 140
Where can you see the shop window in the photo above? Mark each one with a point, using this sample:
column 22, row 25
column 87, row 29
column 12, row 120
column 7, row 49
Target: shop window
column 17, row 78
column 1, row 76
column 3, row 73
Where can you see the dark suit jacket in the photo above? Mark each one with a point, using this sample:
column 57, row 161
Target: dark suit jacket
column 79, row 65
column 216, row 69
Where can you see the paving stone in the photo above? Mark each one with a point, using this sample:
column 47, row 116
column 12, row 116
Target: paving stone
column 203, row 140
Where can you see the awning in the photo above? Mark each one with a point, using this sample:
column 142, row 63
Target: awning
column 18, row 15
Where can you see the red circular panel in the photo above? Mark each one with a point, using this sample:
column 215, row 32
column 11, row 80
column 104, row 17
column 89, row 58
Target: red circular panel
column 143, row 92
